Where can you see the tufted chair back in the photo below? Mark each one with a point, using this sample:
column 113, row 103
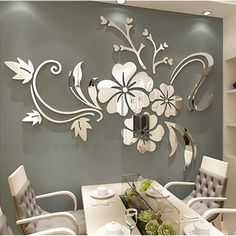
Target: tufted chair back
column 4, row 228
column 211, row 181
column 25, row 206
column 24, row 201
column 209, row 185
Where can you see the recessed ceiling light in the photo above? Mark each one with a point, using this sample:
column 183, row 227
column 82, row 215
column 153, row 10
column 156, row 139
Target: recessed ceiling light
column 206, row 13
column 120, row 1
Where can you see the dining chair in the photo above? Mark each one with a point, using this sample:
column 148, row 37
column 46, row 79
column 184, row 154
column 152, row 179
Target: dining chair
column 212, row 212
column 6, row 230
column 209, row 187
column 31, row 218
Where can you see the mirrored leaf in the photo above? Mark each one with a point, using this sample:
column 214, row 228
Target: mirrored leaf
column 190, row 148
column 23, row 70
column 34, row 117
column 81, row 127
column 77, row 74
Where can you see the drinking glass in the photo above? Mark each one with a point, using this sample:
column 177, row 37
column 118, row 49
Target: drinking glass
column 131, row 218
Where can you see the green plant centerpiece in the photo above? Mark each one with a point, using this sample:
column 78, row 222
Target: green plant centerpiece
column 148, row 223
column 152, row 226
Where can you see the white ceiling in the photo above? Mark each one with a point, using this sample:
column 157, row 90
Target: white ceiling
column 219, row 8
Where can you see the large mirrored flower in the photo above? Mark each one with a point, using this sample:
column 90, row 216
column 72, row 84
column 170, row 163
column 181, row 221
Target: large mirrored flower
column 165, row 100
column 144, row 130
column 126, row 90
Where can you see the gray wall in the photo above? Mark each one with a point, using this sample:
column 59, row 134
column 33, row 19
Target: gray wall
column 70, row 32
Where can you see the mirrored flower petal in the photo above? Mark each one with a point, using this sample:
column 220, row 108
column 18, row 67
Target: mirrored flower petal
column 141, row 146
column 129, row 123
column 142, row 80
column 157, row 134
column 146, row 146
column 117, row 106
column 106, row 91
column 151, row 145
column 106, row 84
column 170, row 110
column 128, row 138
column 152, row 120
column 106, row 94
column 127, row 71
column 158, row 107
column 170, row 90
column 164, row 89
column 137, row 101
column 167, row 90
column 155, row 94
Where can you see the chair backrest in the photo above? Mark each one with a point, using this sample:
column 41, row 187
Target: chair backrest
column 24, row 200
column 211, row 181
column 17, row 180
column 4, row 228
column 217, row 167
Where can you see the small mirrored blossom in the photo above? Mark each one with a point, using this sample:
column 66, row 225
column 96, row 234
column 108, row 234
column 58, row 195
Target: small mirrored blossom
column 165, row 101
column 126, row 90
column 143, row 130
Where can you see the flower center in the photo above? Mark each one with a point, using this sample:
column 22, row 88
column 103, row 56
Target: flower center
column 125, row 89
column 166, row 100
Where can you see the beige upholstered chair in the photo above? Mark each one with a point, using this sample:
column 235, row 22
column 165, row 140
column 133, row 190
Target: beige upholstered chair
column 6, row 230
column 31, row 217
column 209, row 186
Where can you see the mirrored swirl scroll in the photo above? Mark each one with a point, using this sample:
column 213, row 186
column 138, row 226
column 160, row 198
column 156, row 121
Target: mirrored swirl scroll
column 129, row 92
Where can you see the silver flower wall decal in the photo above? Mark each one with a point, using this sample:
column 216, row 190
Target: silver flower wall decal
column 165, row 102
column 126, row 91
column 143, row 130
column 129, row 90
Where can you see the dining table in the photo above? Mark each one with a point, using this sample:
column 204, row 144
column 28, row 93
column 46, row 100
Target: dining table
column 99, row 212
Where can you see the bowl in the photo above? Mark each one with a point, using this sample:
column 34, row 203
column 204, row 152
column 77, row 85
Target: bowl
column 102, row 190
column 113, row 228
column 202, row 228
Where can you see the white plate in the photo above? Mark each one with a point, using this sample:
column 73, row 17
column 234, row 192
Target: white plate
column 110, row 193
column 124, row 231
column 156, row 194
column 190, row 230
